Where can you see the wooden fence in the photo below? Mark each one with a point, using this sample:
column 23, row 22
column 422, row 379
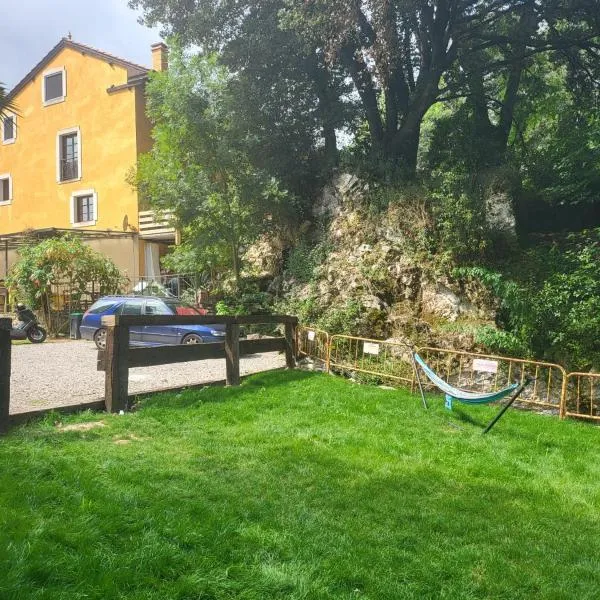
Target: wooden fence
column 119, row 357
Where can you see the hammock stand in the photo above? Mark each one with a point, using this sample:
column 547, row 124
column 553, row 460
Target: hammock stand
column 464, row 396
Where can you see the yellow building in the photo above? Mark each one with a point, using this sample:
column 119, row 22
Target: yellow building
column 79, row 127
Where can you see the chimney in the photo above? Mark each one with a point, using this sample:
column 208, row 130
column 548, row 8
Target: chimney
column 160, row 56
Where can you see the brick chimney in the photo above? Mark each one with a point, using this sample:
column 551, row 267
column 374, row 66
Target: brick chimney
column 160, row 56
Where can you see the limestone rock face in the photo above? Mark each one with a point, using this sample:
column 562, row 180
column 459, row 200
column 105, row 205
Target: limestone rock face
column 500, row 215
column 372, row 264
column 438, row 300
column 263, row 258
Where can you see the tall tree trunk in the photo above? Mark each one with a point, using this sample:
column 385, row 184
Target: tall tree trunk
column 327, row 110
column 235, row 260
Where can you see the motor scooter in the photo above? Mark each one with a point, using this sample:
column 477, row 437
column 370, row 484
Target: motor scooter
column 28, row 327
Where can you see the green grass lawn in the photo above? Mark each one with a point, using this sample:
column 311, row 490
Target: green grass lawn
column 300, row 485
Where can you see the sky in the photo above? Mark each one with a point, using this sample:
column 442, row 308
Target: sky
column 31, row 28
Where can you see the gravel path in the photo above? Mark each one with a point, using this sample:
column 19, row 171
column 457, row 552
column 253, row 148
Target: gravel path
column 64, row 372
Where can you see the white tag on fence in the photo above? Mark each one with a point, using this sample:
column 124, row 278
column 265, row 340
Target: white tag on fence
column 370, row 348
column 485, row 366
column 311, row 336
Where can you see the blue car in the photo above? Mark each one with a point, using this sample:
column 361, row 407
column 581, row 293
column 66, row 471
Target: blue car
column 148, row 335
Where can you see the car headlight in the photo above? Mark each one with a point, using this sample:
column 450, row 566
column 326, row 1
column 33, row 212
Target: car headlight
column 217, row 333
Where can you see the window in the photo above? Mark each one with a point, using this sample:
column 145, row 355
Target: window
column 54, row 86
column 5, row 189
column 9, row 128
column 132, row 307
column 68, row 155
column 157, row 307
column 84, row 209
column 101, row 306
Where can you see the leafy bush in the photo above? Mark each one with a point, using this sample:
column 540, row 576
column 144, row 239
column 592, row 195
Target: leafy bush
column 65, row 261
column 499, row 341
column 248, row 303
column 555, row 316
column 303, row 260
column 458, row 211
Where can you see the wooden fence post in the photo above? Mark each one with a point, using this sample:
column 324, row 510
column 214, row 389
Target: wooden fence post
column 232, row 353
column 116, row 380
column 5, row 353
column 290, row 344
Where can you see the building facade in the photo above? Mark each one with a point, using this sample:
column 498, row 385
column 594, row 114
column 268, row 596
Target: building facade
column 66, row 152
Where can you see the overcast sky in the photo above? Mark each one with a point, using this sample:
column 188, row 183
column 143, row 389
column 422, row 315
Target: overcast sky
column 31, row 28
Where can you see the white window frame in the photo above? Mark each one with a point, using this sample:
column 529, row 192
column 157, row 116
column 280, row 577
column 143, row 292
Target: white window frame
column 64, row 86
column 62, row 132
column 74, row 197
column 10, row 189
column 13, row 139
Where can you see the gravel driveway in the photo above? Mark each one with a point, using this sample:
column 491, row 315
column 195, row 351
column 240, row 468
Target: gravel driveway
column 64, row 372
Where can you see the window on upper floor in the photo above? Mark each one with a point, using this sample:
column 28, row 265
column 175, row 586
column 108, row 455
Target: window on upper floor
column 9, row 128
column 54, row 86
column 68, row 155
column 84, row 210
column 5, row 189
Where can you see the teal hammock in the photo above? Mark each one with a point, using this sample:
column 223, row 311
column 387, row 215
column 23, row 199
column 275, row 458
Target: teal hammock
column 453, row 393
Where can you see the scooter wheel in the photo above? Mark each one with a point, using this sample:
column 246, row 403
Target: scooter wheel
column 36, row 335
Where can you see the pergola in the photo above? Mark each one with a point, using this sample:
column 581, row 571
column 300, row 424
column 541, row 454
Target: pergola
column 13, row 241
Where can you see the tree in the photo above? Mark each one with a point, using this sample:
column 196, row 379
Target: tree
column 199, row 168
column 401, row 56
column 289, row 102
column 5, row 103
column 61, row 261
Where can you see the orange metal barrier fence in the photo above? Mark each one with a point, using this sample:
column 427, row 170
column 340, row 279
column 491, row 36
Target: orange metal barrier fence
column 313, row 342
column 582, row 396
column 384, row 360
column 552, row 389
column 488, row 373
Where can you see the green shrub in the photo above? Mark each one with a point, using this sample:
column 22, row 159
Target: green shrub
column 303, row 260
column 553, row 314
column 458, row 211
column 249, row 303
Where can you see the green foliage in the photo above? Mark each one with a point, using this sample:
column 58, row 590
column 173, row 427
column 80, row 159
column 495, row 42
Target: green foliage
column 348, row 317
column 555, row 316
column 501, row 342
column 458, row 212
column 305, row 307
column 63, row 260
column 245, row 303
column 199, row 170
column 304, row 258
column 5, row 103
column 341, row 319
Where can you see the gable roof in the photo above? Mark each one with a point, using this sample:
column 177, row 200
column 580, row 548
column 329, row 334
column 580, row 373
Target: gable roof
column 134, row 71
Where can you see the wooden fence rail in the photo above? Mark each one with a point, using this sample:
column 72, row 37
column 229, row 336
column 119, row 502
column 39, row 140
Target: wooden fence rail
column 119, row 357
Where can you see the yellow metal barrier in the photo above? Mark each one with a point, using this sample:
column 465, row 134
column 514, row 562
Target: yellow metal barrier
column 582, row 396
column 314, row 343
column 552, row 389
column 487, row 373
column 384, row 360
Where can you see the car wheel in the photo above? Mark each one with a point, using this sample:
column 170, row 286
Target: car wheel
column 100, row 339
column 192, row 338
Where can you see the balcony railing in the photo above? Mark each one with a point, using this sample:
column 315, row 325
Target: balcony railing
column 155, row 226
column 69, row 169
